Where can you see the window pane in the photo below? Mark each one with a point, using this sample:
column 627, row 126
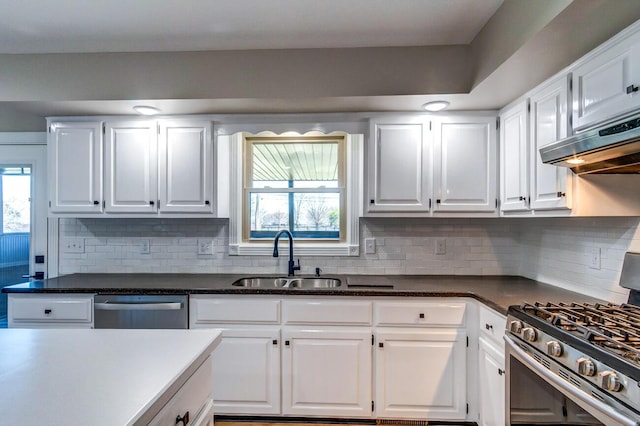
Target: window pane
column 269, row 212
column 306, row 215
column 294, row 161
column 16, row 209
column 317, row 213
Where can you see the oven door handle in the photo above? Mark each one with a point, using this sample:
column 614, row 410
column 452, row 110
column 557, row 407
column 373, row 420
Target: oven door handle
column 141, row 306
column 568, row 389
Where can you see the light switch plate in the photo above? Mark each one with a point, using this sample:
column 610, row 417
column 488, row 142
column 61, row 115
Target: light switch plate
column 145, row 247
column 594, row 257
column 441, row 246
column 370, row 245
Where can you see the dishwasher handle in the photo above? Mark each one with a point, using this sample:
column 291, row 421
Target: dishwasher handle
column 138, row 306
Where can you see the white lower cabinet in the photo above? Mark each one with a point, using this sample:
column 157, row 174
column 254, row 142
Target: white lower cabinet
column 491, row 376
column 50, row 310
column 420, row 374
column 246, row 372
column 326, row 372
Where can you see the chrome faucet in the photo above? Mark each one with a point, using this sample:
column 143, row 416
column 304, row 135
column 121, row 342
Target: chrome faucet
column 292, row 265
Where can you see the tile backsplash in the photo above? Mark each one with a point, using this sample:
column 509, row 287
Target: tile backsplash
column 553, row 250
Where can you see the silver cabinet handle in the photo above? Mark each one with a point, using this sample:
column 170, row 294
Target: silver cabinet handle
column 107, row 306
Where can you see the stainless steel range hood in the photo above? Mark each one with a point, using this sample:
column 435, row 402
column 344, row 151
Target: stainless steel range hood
column 613, row 148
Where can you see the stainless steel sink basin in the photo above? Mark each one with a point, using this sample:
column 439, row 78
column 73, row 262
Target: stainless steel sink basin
column 288, row 282
column 315, row 283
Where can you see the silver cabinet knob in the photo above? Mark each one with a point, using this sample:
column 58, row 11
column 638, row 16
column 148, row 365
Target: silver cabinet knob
column 529, row 334
column 586, row 367
column 515, row 326
column 609, row 381
column 554, row 349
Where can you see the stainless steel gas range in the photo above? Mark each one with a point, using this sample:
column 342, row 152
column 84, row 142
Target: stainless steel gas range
column 575, row 364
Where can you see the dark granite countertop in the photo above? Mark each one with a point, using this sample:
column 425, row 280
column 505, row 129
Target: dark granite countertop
column 498, row 292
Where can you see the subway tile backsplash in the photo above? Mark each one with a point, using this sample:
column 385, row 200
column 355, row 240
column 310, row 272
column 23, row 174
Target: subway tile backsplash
column 552, row 250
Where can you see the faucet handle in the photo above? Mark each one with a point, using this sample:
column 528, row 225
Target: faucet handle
column 318, row 270
column 297, row 267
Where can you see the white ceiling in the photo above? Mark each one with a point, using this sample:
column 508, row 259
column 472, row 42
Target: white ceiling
column 45, row 26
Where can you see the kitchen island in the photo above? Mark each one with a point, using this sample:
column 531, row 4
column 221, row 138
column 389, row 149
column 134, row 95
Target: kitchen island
column 102, row 377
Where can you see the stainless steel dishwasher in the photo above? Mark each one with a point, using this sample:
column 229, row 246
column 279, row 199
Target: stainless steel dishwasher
column 141, row 311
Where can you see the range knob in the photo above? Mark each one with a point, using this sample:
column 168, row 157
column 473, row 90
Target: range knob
column 586, row 367
column 515, row 326
column 529, row 334
column 609, row 381
column 554, row 348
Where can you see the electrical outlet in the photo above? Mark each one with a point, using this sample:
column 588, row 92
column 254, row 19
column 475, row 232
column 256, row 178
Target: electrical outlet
column 370, row 245
column 145, row 247
column 73, row 245
column 205, row 247
column 441, row 246
column 594, row 257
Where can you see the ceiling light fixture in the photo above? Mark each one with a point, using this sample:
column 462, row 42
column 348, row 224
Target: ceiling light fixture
column 435, row 106
column 146, row 110
column 575, row 161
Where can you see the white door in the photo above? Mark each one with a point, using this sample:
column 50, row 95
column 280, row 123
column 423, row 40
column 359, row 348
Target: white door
column 491, row 377
column 326, row 372
column 464, row 164
column 22, row 238
column 246, row 372
column 550, row 185
column 131, row 163
column 607, row 85
column 185, row 153
column 75, row 162
column 421, row 374
column 399, row 166
column 514, row 158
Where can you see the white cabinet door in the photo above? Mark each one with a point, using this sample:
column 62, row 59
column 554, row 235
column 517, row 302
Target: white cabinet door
column 326, row 372
column 246, row 372
column 75, row 162
column 514, row 158
column 491, row 377
column 185, row 167
column 399, row 166
column 607, row 85
column 465, row 164
column 131, row 182
column 550, row 185
column 420, row 374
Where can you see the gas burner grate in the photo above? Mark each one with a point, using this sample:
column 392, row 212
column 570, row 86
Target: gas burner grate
column 615, row 328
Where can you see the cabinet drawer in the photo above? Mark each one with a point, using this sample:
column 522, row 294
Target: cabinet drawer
column 221, row 310
column 492, row 324
column 419, row 313
column 50, row 309
column 191, row 398
column 344, row 312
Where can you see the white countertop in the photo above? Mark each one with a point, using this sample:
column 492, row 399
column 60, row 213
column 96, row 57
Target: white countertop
column 93, row 377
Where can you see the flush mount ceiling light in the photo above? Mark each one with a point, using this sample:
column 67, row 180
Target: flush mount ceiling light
column 435, row 106
column 146, row 110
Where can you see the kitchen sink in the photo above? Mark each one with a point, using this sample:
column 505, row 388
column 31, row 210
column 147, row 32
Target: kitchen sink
column 288, row 282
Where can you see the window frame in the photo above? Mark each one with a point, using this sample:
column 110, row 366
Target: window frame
column 249, row 142
column 231, row 146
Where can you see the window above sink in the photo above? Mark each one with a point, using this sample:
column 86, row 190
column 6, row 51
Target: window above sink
column 310, row 184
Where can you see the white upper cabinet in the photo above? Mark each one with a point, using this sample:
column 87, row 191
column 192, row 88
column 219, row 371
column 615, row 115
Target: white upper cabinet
column 550, row 186
column 606, row 85
column 514, row 158
column 185, row 167
column 75, row 167
column 131, row 165
column 465, row 164
column 399, row 161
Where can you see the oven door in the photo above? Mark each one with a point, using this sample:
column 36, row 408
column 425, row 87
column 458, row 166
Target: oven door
column 537, row 395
